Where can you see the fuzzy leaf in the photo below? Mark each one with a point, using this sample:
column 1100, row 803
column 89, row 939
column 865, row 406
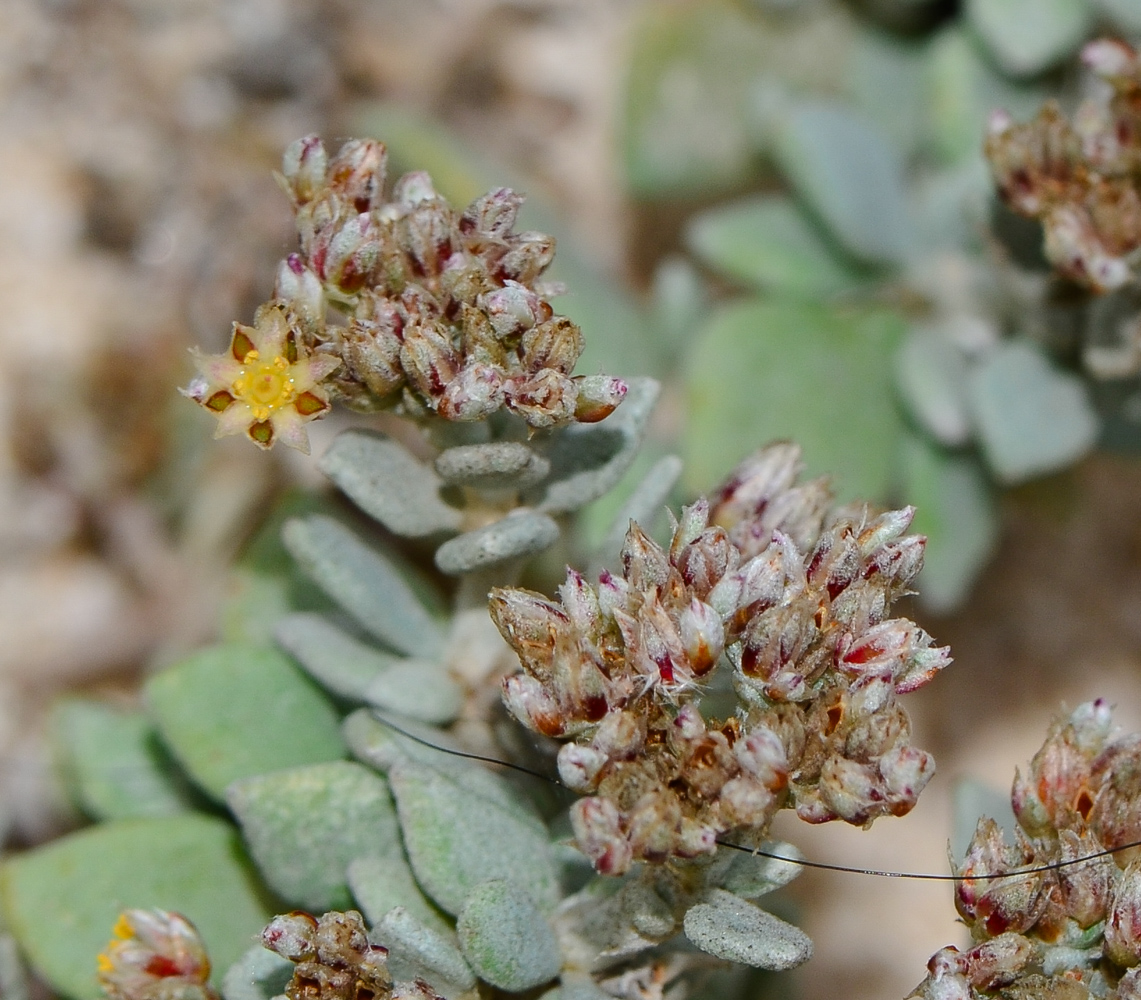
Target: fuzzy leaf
column 885, row 81
column 850, row 176
column 520, row 533
column 588, row 460
column 114, row 763
column 1028, row 36
column 383, row 596
column 492, row 466
column 1125, row 14
column 417, row 689
column 381, row 883
column 505, row 937
column 389, row 483
column 333, row 658
column 731, row 928
column 382, row 747
column 762, row 371
column 422, row 952
column 235, row 711
column 260, row 974
column 578, row 988
column 767, row 241
column 457, row 838
column 304, row 825
column 957, row 513
column 932, row 377
column 1031, row 417
column 74, row 889
column 751, row 875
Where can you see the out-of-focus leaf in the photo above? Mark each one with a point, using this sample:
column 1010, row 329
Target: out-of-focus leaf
column 235, row 711
column 931, row 373
column 885, row 82
column 1026, row 37
column 962, row 90
column 686, row 124
column 74, row 889
column 957, row 513
column 1125, row 14
column 1031, row 418
column 850, row 175
column 768, row 242
column 762, row 371
column 116, row 766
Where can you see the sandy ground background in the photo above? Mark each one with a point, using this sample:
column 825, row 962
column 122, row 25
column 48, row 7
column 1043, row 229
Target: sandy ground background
column 138, row 216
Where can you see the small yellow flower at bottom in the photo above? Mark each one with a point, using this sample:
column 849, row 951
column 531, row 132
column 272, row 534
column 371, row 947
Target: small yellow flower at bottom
column 155, row 955
column 263, row 385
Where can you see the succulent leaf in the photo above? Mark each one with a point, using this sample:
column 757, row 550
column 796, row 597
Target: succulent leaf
column 734, row 929
column 505, row 937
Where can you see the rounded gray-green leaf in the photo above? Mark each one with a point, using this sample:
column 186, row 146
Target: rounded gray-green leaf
column 728, row 927
column 380, row 884
column 305, row 825
column 751, row 875
column 518, row 534
column 456, row 839
column 931, row 374
column 1031, row 417
column 340, row 663
column 492, row 466
column 506, row 939
column 260, row 974
column 417, row 689
column 1028, row 36
column 428, row 953
column 390, row 484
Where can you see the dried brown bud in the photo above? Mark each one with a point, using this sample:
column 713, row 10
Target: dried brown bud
column 357, row 173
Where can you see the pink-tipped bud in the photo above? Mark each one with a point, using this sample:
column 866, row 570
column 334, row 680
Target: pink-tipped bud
column 303, row 166
column 598, row 833
column 530, row 255
column 358, row 171
column 528, row 621
column 530, row 703
column 755, row 482
column 474, row 394
column 580, row 603
column 997, row 963
column 579, row 767
column 513, row 309
column 414, row 188
column 292, row 936
column 493, row 214
column 1123, row 925
column 620, row 735
column 555, row 343
column 301, row 288
column 1111, row 59
column 597, row 396
column 544, row 400
column 428, row 358
column 762, row 756
column 702, row 636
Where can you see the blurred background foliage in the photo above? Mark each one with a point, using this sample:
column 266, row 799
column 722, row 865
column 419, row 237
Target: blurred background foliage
column 778, row 207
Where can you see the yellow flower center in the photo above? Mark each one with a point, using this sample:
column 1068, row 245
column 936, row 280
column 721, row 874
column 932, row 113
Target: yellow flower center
column 264, row 386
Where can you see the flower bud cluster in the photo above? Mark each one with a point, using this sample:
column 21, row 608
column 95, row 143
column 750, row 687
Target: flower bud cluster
column 1075, row 928
column 1082, row 179
column 445, row 310
column 788, row 595
column 333, row 957
column 155, row 955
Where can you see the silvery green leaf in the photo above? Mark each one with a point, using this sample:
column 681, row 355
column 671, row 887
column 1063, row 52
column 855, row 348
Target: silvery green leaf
column 389, row 483
column 332, row 657
column 750, row 875
column 260, row 974
column 505, row 937
column 679, row 299
column 646, row 911
column 767, row 241
column 832, row 392
column 850, row 175
column 386, row 598
column 643, row 505
column 457, row 838
column 13, row 978
column 113, row 762
column 234, row 711
column 885, row 82
column 951, row 207
column 520, row 533
column 303, row 827
column 577, row 988
column 963, row 88
column 417, row 689
column 1031, row 418
column 931, row 374
column 731, row 928
column 1125, row 14
column 382, row 747
column 1029, row 36
column 492, row 466
column 587, row 460
column 972, row 800
column 423, row 951
column 957, row 513
column 380, row 883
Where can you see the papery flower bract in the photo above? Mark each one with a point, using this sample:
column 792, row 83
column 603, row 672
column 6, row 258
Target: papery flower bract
column 155, row 955
column 264, row 385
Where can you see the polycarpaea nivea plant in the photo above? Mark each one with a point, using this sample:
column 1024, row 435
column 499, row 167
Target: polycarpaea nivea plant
column 434, row 875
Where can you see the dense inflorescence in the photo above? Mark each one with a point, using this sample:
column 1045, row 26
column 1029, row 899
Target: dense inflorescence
column 442, row 312
column 1069, row 933
column 155, row 955
column 795, row 596
column 1081, row 178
